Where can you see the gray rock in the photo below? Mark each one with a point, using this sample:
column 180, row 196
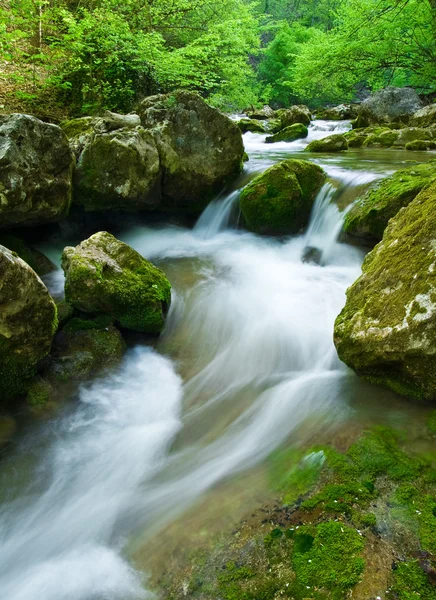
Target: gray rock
column 389, row 105
column 36, row 168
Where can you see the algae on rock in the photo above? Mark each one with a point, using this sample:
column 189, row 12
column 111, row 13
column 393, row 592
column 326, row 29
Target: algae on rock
column 332, row 143
column 279, row 201
column 370, row 214
column 289, row 134
column 387, row 329
column 105, row 275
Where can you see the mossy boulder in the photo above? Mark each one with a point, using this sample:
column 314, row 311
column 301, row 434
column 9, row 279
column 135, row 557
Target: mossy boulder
column 337, row 113
column 35, row 259
column 386, row 139
column 28, row 321
column 332, row 143
column 200, row 149
column 104, row 275
column 118, row 170
column 370, row 214
column 295, row 114
column 289, row 134
column 251, row 125
column 396, row 105
column 36, row 169
column 424, row 117
column 387, row 329
column 421, row 145
column 279, row 201
column 261, row 114
column 80, row 350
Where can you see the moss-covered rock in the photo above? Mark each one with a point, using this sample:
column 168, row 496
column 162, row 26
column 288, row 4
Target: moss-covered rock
column 261, row 114
column 370, row 214
column 296, row 114
column 104, row 275
column 251, row 125
column 386, row 139
column 80, row 350
column 289, row 134
column 421, row 145
column 8, row 427
column 28, row 321
column 337, row 113
column 40, row 394
column 118, row 170
column 36, row 169
column 279, row 201
column 332, row 143
column 424, row 117
column 200, row 149
column 387, row 329
column 35, row 259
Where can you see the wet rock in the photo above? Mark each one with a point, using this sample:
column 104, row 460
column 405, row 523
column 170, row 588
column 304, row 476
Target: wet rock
column 279, row 201
column 391, row 104
column 289, row 134
column 200, row 149
column 261, row 114
column 312, row 255
column 28, row 322
column 104, row 275
column 295, row 114
column 421, row 145
column 35, row 259
column 251, row 125
column 332, row 143
column 337, row 113
column 370, row 214
column 424, row 117
column 8, row 427
column 387, row 329
column 36, row 168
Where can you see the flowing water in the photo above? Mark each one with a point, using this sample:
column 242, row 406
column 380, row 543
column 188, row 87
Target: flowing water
column 245, row 365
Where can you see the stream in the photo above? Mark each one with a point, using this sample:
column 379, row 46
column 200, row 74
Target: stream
column 246, row 365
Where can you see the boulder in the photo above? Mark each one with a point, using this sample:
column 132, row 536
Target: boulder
column 28, row 321
column 332, row 143
column 421, row 145
column 279, row 201
column 118, row 169
column 36, row 169
column 337, row 113
column 200, row 149
column 251, row 125
column 424, row 117
column 295, row 114
column 391, row 104
column 261, row 114
column 289, row 134
column 387, row 329
column 35, row 259
column 80, row 350
column 370, row 214
column 104, row 275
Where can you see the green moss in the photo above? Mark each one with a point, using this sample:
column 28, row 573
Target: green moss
column 65, row 311
column 279, row 201
column 332, row 143
column 370, row 214
column 411, row 583
column 421, row 145
column 431, row 423
column 386, row 139
column 251, row 125
column 39, row 394
column 36, row 260
column 77, row 324
column 332, row 562
column 76, row 127
column 295, row 473
column 289, row 134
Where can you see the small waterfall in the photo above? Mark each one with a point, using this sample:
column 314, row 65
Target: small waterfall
column 218, row 215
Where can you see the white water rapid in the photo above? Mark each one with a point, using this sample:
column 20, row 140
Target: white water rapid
column 246, row 360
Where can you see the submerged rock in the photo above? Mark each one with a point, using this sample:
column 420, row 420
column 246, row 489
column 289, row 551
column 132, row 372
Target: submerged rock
column 104, row 275
column 251, row 125
column 289, row 134
column 36, row 169
column 200, row 149
column 28, row 323
column 279, row 201
column 332, row 143
column 391, row 104
column 387, row 329
column 295, row 114
column 370, row 214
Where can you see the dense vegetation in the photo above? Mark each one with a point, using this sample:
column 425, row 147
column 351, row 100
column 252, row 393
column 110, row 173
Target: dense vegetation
column 85, row 55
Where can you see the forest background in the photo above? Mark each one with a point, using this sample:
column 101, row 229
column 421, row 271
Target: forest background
column 72, row 57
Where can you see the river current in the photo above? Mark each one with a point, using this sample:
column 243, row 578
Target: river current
column 246, row 364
